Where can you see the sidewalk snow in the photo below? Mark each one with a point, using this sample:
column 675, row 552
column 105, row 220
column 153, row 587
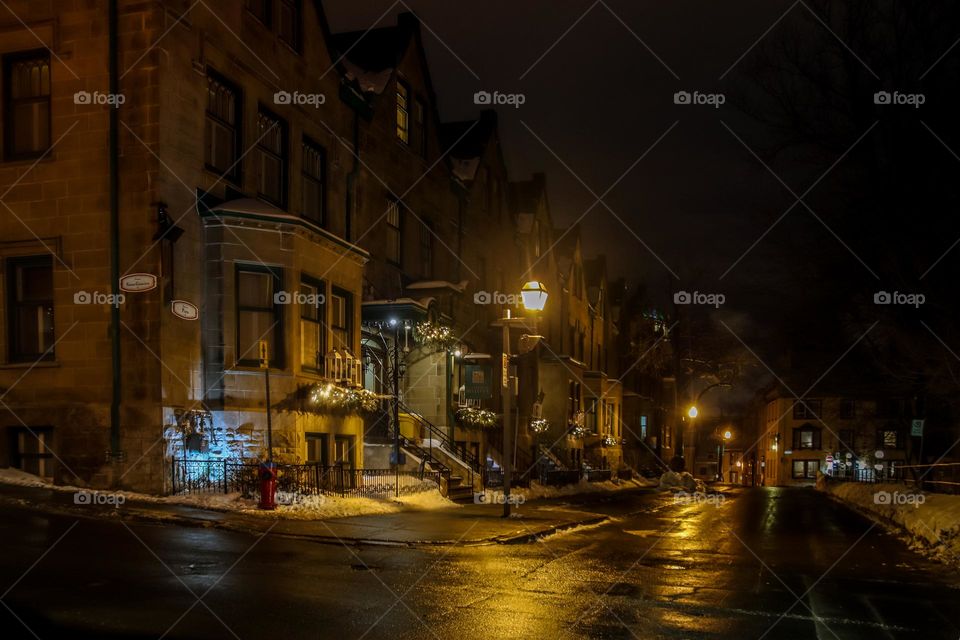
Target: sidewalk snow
column 929, row 522
column 537, row 490
column 289, row 505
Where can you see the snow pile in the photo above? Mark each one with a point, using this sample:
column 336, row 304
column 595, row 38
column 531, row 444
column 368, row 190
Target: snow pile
column 931, row 521
column 537, row 490
column 674, row 481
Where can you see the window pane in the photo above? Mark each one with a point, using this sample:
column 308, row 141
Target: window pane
column 30, row 313
column 255, row 290
column 253, row 327
column 403, row 116
column 27, row 108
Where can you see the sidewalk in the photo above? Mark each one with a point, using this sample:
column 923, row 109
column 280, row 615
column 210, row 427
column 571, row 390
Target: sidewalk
column 458, row 524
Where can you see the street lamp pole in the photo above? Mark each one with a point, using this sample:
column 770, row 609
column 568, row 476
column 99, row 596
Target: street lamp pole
column 507, row 392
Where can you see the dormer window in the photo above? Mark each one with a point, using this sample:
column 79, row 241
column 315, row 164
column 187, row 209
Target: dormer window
column 403, row 112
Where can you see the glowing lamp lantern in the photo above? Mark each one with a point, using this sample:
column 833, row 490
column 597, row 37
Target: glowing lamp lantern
column 693, row 412
column 727, row 434
column 534, row 296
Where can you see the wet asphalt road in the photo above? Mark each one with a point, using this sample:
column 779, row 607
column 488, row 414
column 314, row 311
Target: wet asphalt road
column 766, row 563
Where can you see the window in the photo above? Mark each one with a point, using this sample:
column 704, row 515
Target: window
column 259, row 317
column 806, row 409
column 314, row 173
column 312, row 330
column 805, row 469
column 317, row 448
column 848, row 409
column 426, row 250
column 643, row 427
column 30, row 308
column 272, row 158
column 31, row 451
column 222, row 133
column 289, row 26
column 575, row 398
column 888, row 439
column 806, row 437
column 394, row 247
column 420, row 121
column 341, row 320
column 403, row 112
column 26, row 95
column 260, row 10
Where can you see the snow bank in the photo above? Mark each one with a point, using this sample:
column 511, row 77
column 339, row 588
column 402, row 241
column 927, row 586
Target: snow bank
column 289, row 505
column 674, row 481
column 537, row 490
column 930, row 521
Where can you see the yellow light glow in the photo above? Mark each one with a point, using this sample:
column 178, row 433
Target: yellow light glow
column 534, row 295
column 693, row 412
column 727, row 434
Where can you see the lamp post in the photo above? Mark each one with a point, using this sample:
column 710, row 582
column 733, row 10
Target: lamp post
column 693, row 412
column 534, row 297
column 725, row 437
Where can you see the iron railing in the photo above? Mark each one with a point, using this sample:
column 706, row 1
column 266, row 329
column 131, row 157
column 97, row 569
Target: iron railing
column 226, row 476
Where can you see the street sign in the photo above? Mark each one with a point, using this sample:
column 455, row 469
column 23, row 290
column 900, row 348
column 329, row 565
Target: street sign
column 138, row 282
column 829, row 458
column 916, row 427
column 477, row 382
column 879, row 454
column 264, row 354
column 184, row 310
column 505, row 375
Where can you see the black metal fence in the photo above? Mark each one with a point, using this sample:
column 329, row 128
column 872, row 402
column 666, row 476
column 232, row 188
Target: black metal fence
column 943, row 477
column 226, row 476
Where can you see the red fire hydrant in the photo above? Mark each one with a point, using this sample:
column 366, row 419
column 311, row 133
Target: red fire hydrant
column 268, row 485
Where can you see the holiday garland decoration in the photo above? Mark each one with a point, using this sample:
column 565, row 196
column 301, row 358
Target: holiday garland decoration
column 435, row 335
column 474, row 418
column 579, row 431
column 609, row 441
column 325, row 398
column 539, row 425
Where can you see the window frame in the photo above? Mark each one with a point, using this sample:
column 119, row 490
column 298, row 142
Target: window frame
column 278, row 357
column 394, row 232
column 348, row 327
column 882, row 441
column 320, row 322
column 296, row 7
column 807, row 409
column 806, row 466
column 816, row 440
column 16, row 355
column 283, row 156
column 233, row 173
column 403, row 112
column 266, row 16
column 309, row 143
column 848, row 408
column 9, row 121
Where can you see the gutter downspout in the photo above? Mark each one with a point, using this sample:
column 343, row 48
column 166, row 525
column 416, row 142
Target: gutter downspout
column 352, row 177
column 115, row 452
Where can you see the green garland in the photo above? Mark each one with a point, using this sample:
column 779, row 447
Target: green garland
column 474, row 418
column 330, row 398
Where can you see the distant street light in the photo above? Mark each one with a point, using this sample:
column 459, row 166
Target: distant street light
column 693, row 412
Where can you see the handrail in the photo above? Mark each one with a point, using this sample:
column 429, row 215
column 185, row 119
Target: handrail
column 466, row 456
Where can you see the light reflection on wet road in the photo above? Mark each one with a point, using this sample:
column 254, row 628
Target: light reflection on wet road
column 766, row 563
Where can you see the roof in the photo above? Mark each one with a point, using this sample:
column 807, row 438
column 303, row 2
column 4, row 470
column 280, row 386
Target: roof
column 372, row 50
column 465, row 141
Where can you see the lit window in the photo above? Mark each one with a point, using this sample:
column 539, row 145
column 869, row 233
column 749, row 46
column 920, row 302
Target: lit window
column 341, row 320
column 259, row 317
column 311, row 324
column 403, row 112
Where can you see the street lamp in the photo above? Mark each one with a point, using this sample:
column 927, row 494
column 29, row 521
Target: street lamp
column 534, row 298
column 692, row 413
column 727, row 434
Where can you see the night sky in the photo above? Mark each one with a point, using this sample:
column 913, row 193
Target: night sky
column 699, row 199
